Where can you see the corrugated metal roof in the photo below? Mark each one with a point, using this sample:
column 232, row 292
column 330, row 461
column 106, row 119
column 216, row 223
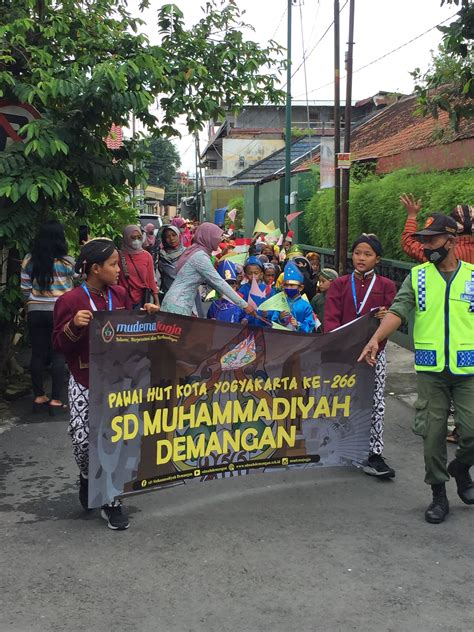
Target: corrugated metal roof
column 274, row 163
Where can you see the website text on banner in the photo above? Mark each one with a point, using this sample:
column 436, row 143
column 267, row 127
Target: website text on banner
column 176, row 399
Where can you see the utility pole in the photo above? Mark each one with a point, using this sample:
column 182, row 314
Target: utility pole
column 343, row 245
column 196, row 191
column 337, row 135
column 288, row 120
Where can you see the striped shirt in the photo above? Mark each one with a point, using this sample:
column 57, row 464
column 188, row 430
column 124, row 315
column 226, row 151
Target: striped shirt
column 464, row 248
column 44, row 300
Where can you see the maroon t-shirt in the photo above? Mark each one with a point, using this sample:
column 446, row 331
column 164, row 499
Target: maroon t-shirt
column 72, row 341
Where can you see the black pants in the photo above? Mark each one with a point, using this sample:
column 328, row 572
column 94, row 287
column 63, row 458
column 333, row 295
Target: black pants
column 40, row 328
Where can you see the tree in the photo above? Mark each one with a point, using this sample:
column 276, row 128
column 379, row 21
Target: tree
column 84, row 66
column 448, row 83
column 163, row 162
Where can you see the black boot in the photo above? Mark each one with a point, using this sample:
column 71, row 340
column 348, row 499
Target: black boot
column 84, row 492
column 439, row 508
column 460, row 471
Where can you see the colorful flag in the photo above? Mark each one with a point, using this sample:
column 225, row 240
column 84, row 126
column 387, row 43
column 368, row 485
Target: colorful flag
column 260, row 227
column 291, row 216
column 255, row 291
column 276, row 303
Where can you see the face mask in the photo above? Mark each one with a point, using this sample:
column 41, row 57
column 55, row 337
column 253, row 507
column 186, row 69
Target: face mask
column 136, row 244
column 291, row 292
column 436, row 255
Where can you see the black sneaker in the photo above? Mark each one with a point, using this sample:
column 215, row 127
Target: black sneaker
column 376, row 466
column 84, row 492
column 116, row 518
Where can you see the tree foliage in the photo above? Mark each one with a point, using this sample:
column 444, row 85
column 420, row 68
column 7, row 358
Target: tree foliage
column 375, row 207
column 162, row 163
column 84, row 65
column 448, row 83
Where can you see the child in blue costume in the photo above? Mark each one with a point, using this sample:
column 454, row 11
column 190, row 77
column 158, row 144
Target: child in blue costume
column 300, row 317
column 223, row 309
column 254, row 270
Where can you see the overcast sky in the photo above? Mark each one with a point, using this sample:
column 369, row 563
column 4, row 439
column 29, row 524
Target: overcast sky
column 380, row 27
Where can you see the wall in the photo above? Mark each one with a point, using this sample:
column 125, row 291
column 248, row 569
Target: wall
column 252, row 150
column 455, row 155
column 218, row 198
column 266, row 202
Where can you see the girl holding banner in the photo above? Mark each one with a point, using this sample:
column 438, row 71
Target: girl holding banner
column 354, row 295
column 73, row 312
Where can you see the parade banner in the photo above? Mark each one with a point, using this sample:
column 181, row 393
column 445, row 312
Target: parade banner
column 178, row 399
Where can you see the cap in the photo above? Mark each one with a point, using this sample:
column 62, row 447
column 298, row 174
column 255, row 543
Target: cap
column 464, row 217
column 329, row 274
column 253, row 261
column 227, row 270
column 438, row 224
column 291, row 274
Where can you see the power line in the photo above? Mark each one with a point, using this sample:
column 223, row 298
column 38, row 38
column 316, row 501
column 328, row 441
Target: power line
column 374, row 61
column 305, row 56
column 279, row 23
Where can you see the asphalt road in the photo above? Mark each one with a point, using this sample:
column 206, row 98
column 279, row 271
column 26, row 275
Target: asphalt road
column 318, row 550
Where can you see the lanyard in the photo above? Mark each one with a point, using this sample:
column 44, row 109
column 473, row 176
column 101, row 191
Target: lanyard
column 367, row 294
column 93, row 305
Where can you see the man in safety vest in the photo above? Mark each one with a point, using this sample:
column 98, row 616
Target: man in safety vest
column 441, row 292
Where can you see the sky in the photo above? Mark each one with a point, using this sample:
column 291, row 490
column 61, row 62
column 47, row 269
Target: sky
column 380, row 26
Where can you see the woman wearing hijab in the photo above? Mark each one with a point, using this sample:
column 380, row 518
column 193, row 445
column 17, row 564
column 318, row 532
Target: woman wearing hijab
column 149, row 243
column 182, row 226
column 137, row 272
column 194, row 268
column 169, row 255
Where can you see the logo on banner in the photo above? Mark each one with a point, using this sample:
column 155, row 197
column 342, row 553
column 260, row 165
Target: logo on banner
column 108, row 332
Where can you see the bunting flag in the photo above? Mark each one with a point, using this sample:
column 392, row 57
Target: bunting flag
column 280, row 240
column 239, row 258
column 291, row 216
column 275, row 233
column 271, row 226
column 260, row 227
column 231, row 214
column 255, row 291
column 276, row 303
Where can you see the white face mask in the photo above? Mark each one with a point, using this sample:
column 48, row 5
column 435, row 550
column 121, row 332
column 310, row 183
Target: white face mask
column 136, row 244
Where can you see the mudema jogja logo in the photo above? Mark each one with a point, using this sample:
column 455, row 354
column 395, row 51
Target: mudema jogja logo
column 108, row 332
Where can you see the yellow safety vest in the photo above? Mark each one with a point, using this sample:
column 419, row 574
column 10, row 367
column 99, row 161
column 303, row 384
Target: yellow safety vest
column 444, row 319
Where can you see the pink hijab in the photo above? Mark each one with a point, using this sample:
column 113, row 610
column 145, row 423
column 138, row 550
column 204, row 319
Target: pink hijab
column 179, row 222
column 206, row 238
column 127, row 239
column 149, row 239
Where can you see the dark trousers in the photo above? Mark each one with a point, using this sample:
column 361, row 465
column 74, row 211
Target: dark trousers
column 435, row 393
column 40, row 329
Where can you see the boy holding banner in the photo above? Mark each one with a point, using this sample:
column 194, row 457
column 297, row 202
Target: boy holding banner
column 354, row 295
